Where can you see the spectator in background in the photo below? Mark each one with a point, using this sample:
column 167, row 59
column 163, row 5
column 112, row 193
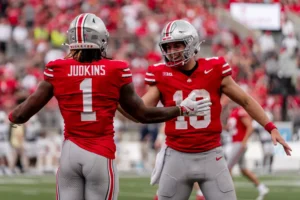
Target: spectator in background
column 19, row 35
column 267, row 42
column 290, row 42
column 287, row 26
column 272, row 68
column 5, row 148
column 32, row 131
column 29, row 15
column 267, row 146
column 5, row 36
column 288, row 69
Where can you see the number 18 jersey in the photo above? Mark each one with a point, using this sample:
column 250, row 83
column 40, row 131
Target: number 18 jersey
column 195, row 133
column 88, row 95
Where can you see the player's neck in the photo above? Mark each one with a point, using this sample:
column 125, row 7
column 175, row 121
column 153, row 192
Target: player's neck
column 189, row 65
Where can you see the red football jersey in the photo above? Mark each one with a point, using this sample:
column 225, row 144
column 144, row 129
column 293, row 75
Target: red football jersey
column 88, row 95
column 138, row 79
column 235, row 125
column 192, row 134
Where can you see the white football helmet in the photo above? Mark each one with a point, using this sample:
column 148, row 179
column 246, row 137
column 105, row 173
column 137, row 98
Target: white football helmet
column 177, row 31
column 87, row 31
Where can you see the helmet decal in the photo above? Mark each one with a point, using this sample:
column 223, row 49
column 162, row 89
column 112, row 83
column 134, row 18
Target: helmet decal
column 80, row 26
column 179, row 31
column 87, row 31
column 168, row 29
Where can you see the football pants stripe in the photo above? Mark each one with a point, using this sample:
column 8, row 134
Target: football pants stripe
column 111, row 180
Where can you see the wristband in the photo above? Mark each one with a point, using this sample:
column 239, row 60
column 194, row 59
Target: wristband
column 180, row 110
column 270, row 126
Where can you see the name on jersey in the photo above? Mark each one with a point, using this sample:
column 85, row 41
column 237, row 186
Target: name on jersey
column 87, row 70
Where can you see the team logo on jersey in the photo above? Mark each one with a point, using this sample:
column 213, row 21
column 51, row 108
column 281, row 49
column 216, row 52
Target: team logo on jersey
column 167, row 74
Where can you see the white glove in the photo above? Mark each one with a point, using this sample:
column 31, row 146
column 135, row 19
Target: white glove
column 190, row 107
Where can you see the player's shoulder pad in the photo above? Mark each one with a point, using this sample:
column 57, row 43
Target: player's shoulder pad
column 121, row 67
column 55, row 63
column 119, row 64
column 216, row 61
column 159, row 64
column 156, row 67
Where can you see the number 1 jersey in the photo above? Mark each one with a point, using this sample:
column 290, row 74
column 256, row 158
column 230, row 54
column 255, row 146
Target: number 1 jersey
column 88, row 95
column 195, row 133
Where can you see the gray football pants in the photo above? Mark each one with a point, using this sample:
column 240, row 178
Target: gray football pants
column 209, row 169
column 236, row 155
column 83, row 175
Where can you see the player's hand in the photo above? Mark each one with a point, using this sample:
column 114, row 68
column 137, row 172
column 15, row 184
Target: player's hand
column 244, row 144
column 276, row 137
column 190, row 107
column 157, row 144
column 14, row 125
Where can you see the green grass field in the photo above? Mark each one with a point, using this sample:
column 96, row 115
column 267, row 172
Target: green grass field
column 135, row 188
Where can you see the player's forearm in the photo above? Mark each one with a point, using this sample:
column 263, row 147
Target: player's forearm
column 147, row 115
column 134, row 106
column 156, row 115
column 255, row 111
column 32, row 104
column 23, row 113
column 125, row 114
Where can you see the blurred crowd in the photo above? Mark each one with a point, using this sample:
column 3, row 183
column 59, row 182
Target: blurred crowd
column 33, row 31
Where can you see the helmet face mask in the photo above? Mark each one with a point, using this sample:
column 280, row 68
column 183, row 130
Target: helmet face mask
column 87, row 31
column 179, row 31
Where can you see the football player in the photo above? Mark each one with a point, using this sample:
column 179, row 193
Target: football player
column 240, row 127
column 194, row 152
column 5, row 148
column 88, row 88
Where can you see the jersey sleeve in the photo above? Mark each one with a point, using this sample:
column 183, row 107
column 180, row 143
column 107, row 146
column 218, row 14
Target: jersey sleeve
column 150, row 78
column 49, row 71
column 126, row 75
column 225, row 67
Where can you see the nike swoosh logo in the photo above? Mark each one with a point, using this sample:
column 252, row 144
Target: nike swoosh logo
column 218, row 158
column 192, row 109
column 206, row 72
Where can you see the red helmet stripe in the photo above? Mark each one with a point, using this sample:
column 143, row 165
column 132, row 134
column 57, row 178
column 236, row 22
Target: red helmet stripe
column 168, row 29
column 79, row 27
